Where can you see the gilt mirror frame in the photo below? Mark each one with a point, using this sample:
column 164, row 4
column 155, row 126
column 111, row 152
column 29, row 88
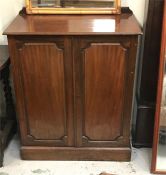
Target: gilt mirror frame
column 159, row 103
column 74, row 10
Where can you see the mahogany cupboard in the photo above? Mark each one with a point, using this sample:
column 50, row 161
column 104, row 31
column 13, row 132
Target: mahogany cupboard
column 74, row 78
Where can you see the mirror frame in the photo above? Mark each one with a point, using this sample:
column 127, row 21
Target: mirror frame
column 37, row 10
column 162, row 65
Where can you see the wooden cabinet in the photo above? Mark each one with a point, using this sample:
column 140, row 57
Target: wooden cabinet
column 74, row 89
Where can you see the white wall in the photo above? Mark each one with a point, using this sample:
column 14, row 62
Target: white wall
column 138, row 8
column 125, row 3
column 10, row 8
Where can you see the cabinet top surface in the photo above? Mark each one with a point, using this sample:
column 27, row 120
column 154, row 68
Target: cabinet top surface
column 124, row 24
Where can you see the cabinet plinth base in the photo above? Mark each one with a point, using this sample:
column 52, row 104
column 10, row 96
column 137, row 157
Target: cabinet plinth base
column 63, row 153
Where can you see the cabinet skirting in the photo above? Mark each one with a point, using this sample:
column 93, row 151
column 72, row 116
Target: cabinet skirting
column 72, row 153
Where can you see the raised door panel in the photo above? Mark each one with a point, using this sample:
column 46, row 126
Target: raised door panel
column 104, row 91
column 101, row 92
column 44, row 89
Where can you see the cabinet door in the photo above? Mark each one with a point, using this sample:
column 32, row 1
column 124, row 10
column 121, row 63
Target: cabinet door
column 104, row 78
column 42, row 68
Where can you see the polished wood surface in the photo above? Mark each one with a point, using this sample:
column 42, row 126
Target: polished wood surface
column 74, row 86
column 124, row 24
column 73, row 153
column 101, row 82
column 41, row 86
column 45, row 101
column 42, row 75
column 159, row 98
column 105, row 71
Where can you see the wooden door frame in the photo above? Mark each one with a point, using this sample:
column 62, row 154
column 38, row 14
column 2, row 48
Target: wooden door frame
column 143, row 121
column 159, row 97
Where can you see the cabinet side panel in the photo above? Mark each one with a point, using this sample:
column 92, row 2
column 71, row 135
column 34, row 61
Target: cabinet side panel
column 104, row 91
column 42, row 76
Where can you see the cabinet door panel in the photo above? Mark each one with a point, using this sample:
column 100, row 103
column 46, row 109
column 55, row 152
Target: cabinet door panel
column 44, row 78
column 103, row 77
column 104, row 91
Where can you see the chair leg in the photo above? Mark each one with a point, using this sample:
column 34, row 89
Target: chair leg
column 8, row 130
column 10, row 109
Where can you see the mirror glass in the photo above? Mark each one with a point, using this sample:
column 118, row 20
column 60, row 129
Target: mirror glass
column 73, row 3
column 161, row 151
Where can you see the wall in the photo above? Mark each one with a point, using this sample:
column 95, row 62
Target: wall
column 10, row 8
column 138, row 8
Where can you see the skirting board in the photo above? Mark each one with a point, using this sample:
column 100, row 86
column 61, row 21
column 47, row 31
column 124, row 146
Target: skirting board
column 64, row 153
